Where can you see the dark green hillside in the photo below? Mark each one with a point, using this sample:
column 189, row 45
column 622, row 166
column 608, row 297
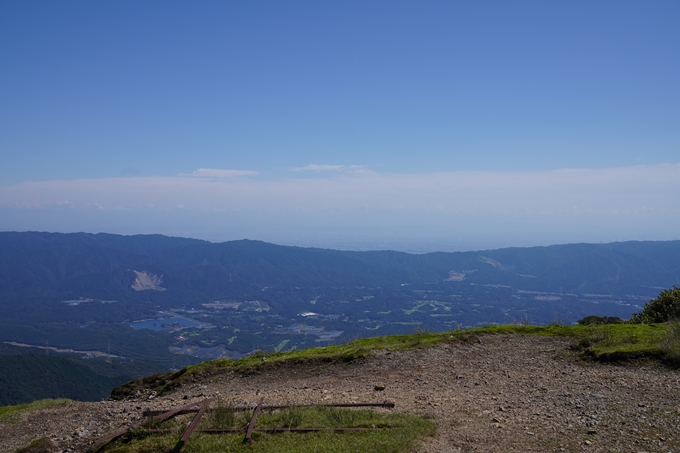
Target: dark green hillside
column 100, row 266
column 29, row 377
column 612, row 268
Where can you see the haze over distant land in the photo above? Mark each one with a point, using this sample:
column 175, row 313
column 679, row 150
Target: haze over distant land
column 358, row 125
column 365, row 209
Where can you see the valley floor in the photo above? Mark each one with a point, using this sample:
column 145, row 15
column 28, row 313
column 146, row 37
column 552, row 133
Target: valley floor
column 495, row 393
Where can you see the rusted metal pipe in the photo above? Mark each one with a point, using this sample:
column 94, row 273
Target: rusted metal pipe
column 271, row 430
column 291, row 430
column 385, row 404
column 251, row 425
column 190, row 429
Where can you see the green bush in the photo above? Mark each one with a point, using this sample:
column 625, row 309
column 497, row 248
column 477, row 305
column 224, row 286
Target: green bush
column 590, row 320
column 666, row 307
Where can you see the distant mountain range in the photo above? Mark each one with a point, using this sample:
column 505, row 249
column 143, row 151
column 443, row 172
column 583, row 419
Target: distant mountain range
column 116, row 307
column 108, row 267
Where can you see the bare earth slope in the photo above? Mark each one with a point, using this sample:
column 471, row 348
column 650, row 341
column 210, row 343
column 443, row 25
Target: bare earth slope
column 493, row 394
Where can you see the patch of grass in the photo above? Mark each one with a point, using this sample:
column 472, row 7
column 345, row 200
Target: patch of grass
column 621, row 341
column 12, row 413
column 670, row 344
column 141, row 432
column 291, row 417
column 150, row 444
column 400, row 434
column 321, row 416
column 340, row 417
column 222, row 416
column 42, row 445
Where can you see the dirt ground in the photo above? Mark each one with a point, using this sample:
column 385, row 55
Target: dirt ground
column 491, row 394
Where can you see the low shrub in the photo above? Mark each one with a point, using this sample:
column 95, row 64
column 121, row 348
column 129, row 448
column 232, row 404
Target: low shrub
column 666, row 307
column 594, row 320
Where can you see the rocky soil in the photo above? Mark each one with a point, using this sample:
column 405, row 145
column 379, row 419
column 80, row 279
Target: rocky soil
column 490, row 394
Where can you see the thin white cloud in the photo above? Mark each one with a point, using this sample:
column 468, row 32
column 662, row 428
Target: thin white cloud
column 337, row 169
column 316, row 167
column 220, row 173
column 576, row 194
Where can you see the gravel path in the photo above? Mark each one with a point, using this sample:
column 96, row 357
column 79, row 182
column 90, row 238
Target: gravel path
column 492, row 394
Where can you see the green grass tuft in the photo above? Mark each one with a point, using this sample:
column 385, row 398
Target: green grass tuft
column 222, row 416
column 42, row 445
column 621, row 341
column 670, row 344
column 12, row 413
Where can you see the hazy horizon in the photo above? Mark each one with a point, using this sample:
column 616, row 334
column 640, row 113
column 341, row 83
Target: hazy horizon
column 424, row 245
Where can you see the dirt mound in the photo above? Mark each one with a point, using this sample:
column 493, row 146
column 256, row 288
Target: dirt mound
column 498, row 394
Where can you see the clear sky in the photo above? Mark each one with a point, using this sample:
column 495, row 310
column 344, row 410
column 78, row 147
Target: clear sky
column 414, row 125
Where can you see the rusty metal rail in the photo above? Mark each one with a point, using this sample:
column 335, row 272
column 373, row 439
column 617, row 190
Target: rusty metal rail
column 304, row 430
column 385, row 404
column 272, row 430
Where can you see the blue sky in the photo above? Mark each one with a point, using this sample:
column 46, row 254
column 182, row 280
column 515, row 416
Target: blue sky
column 409, row 125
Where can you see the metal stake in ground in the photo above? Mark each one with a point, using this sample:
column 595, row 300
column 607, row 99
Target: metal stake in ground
column 251, row 425
column 190, row 429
